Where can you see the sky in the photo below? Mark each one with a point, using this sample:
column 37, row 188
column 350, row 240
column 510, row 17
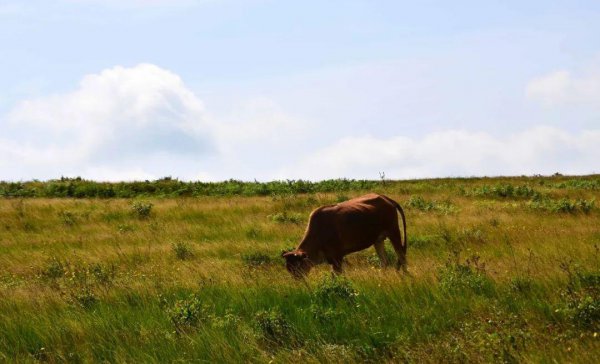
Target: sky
column 261, row 90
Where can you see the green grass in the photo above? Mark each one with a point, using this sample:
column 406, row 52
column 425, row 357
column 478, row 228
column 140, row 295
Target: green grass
column 501, row 270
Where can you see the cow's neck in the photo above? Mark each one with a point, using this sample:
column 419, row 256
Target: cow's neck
column 315, row 255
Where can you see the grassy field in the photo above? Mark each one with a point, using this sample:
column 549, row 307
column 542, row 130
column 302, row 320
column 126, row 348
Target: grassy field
column 501, row 270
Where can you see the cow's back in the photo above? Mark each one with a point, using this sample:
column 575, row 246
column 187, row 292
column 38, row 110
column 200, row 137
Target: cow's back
column 360, row 222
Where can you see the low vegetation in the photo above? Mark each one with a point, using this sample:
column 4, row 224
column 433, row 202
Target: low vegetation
column 500, row 270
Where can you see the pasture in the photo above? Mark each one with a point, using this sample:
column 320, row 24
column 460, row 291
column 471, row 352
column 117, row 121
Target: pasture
column 501, row 270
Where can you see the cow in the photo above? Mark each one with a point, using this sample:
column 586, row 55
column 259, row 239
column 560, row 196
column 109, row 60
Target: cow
column 334, row 231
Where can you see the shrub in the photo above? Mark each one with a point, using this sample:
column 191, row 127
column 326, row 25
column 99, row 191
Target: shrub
column 142, row 209
column 324, row 314
column 188, row 313
column 273, row 326
column 54, row 269
column 84, row 296
column 419, row 203
column 182, row 250
column 563, row 205
column 333, row 288
column 504, row 191
column 582, row 298
column 470, row 275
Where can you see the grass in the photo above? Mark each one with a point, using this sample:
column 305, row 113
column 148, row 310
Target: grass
column 501, row 270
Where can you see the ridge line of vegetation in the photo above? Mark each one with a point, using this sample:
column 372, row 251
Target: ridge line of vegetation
column 171, row 187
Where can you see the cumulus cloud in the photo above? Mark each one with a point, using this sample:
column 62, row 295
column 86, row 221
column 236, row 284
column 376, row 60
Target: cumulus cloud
column 140, row 122
column 455, row 153
column 143, row 122
column 118, row 117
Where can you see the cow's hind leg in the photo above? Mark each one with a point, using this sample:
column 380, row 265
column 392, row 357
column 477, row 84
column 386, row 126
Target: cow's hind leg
column 396, row 240
column 336, row 264
column 380, row 249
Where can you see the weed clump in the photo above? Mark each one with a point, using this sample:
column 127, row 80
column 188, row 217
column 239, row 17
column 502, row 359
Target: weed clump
column 419, row 203
column 504, row 191
column 182, row 250
column 564, row 205
column 84, row 296
column 333, row 289
column 582, row 298
column 273, row 326
column 142, row 209
column 468, row 275
column 54, row 269
column 188, row 313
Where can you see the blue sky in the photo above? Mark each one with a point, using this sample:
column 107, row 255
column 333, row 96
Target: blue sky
column 218, row 89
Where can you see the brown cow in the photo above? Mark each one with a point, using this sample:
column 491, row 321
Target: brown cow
column 337, row 230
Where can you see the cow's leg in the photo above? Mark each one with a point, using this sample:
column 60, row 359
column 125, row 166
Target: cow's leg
column 336, row 264
column 396, row 240
column 380, row 249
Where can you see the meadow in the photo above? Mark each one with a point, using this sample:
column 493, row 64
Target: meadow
column 500, row 270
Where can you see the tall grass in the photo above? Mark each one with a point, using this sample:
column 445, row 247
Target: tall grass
column 491, row 277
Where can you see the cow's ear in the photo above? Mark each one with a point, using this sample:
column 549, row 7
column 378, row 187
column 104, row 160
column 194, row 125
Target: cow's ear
column 286, row 254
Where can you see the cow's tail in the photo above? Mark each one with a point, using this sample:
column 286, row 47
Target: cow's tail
column 399, row 208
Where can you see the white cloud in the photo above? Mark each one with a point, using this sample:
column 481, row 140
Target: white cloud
column 138, row 123
column 455, row 153
column 119, row 117
column 564, row 87
column 143, row 122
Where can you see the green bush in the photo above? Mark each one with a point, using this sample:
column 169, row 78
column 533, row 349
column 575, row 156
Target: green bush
column 468, row 275
column 188, row 313
column 273, row 326
column 54, row 269
column 182, row 250
column 564, row 205
column 582, row 298
column 84, row 296
column 419, row 203
column 333, row 288
column 504, row 190
column 142, row 209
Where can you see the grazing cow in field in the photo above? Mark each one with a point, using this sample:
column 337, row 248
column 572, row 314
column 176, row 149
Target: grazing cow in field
column 337, row 230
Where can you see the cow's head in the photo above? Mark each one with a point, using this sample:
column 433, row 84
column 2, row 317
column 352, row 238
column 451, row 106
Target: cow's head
column 297, row 263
